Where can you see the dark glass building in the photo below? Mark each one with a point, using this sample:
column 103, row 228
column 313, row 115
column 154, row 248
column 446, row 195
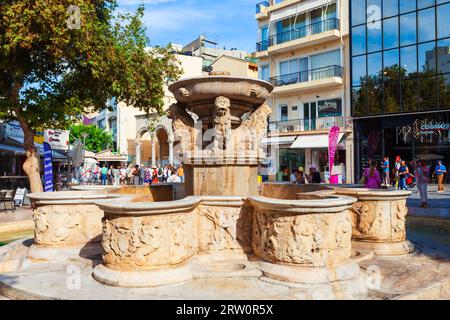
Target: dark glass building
column 400, row 62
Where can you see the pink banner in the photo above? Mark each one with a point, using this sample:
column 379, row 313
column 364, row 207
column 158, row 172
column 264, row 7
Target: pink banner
column 333, row 140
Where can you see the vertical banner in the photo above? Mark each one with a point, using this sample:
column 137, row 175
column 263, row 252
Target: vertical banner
column 333, row 140
column 48, row 168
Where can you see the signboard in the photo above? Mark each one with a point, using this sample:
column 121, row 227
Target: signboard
column 48, row 168
column 20, row 198
column 57, row 139
column 333, row 139
column 14, row 130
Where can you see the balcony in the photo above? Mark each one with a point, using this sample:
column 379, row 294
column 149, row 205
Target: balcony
column 312, row 34
column 328, row 76
column 302, row 125
column 261, row 4
column 262, row 46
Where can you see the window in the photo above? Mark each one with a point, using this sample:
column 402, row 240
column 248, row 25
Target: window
column 443, row 14
column 408, row 57
column 408, row 29
column 407, row 6
column 359, row 40
column 390, row 29
column 424, row 3
column 264, row 73
column 426, row 25
column 325, row 59
column 390, row 8
column 330, row 108
column 359, row 12
column 358, row 70
column 284, row 113
column 374, row 65
column 101, row 123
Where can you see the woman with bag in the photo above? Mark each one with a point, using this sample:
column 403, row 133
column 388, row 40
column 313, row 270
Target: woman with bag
column 371, row 177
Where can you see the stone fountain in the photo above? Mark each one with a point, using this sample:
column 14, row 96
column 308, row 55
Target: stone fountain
column 221, row 224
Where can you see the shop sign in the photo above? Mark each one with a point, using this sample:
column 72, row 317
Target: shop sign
column 14, row 130
column 57, row 139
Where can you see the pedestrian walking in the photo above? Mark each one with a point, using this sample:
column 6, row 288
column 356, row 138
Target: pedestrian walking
column 180, row 172
column 372, row 178
column 439, row 172
column 397, row 165
column 136, row 175
column 386, row 172
column 104, row 174
column 116, row 175
column 403, row 173
column 422, row 173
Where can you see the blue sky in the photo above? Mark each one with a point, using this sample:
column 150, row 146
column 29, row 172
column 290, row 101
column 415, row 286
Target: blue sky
column 231, row 23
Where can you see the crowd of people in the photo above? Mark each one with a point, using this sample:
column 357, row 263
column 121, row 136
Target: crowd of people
column 299, row 176
column 404, row 176
column 131, row 175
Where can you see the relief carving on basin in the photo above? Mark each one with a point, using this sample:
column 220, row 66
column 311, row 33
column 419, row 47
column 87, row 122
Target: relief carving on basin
column 379, row 220
column 301, row 235
column 304, row 240
column 67, row 219
column 224, row 225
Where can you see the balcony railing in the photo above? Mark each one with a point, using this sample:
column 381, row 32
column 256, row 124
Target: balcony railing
column 323, row 123
column 308, row 75
column 261, row 4
column 262, row 46
column 302, row 32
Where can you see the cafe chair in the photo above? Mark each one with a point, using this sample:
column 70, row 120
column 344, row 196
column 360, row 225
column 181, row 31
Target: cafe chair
column 7, row 198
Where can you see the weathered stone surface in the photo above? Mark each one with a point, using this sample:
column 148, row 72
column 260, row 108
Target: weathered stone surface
column 148, row 242
column 67, row 225
column 379, row 219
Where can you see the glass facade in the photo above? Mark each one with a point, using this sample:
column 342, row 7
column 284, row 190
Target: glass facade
column 400, row 56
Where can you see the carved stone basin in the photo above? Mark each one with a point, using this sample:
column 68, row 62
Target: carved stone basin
column 199, row 95
column 67, row 220
column 307, row 241
column 379, row 220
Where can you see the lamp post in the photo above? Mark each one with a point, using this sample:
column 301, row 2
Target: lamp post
column 84, row 135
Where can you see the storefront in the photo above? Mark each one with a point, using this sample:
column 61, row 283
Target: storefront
column 417, row 136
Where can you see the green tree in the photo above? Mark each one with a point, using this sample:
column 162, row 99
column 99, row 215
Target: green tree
column 56, row 65
column 96, row 140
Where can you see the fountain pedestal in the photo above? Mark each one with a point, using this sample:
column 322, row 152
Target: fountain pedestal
column 227, row 180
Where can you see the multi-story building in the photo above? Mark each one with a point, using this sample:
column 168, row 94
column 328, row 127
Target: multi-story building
column 236, row 67
column 209, row 52
column 400, row 59
column 303, row 48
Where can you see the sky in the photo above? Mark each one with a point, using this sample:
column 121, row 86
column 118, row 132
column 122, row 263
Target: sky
column 231, row 23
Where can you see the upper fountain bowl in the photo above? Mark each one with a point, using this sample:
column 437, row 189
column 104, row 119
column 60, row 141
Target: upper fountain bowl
column 199, row 94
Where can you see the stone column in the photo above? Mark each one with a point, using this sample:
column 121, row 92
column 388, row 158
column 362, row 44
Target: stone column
column 138, row 152
column 153, row 150
column 170, row 141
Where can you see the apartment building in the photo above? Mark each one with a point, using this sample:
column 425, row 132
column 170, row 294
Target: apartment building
column 303, row 50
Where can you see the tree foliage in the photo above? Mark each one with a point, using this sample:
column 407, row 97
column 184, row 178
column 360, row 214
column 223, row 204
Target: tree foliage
column 51, row 73
column 96, row 140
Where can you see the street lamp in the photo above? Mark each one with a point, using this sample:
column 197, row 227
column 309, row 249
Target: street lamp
column 84, row 135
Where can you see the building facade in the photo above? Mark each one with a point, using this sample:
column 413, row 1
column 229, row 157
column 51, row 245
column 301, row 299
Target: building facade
column 400, row 79
column 302, row 49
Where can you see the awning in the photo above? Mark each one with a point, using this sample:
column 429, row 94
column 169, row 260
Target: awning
column 12, row 149
column 296, row 8
column 313, row 141
column 278, row 140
